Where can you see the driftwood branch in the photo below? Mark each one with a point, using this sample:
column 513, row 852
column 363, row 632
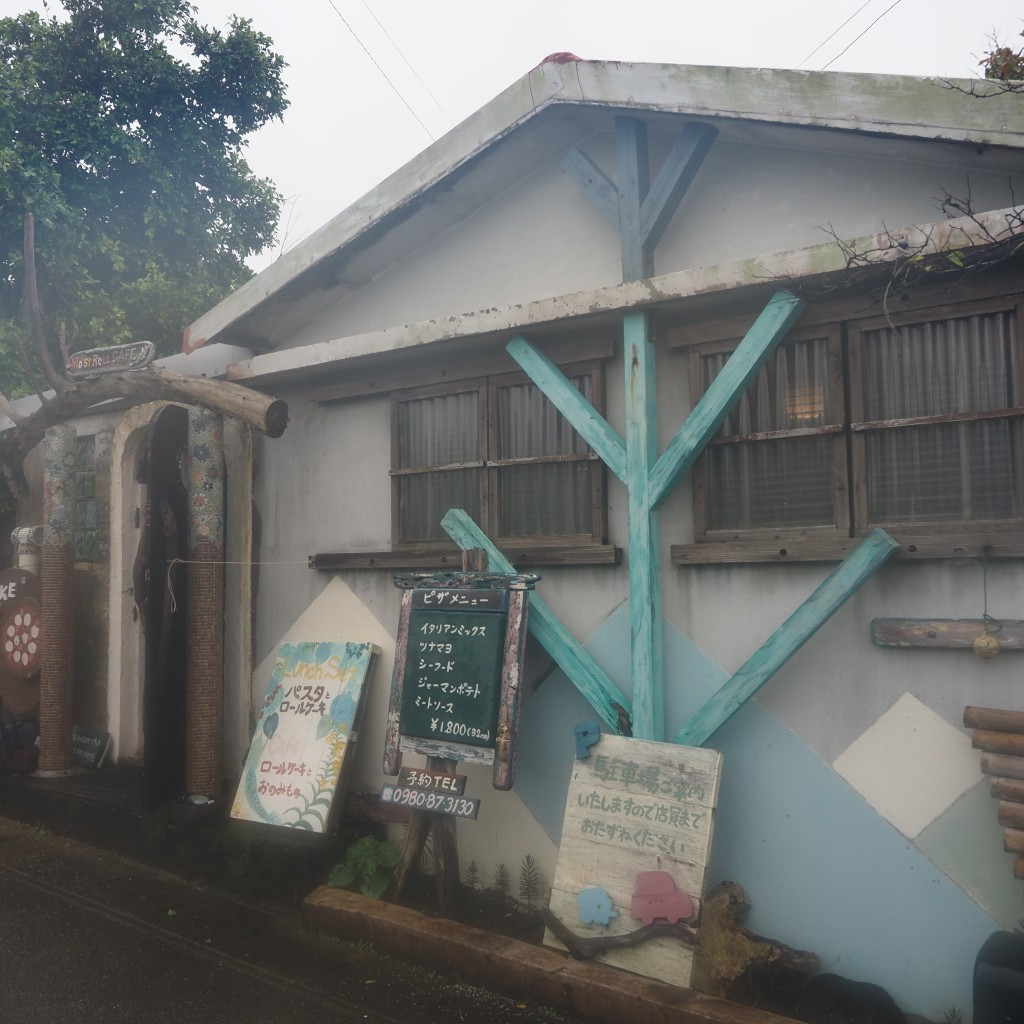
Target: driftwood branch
column 65, row 352
column 30, row 371
column 33, row 311
column 588, row 948
column 263, row 412
column 728, row 951
column 132, row 387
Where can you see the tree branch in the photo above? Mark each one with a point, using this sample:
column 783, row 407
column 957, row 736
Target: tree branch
column 135, row 387
column 32, row 310
column 587, row 949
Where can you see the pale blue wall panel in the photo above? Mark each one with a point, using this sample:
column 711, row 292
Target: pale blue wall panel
column 824, row 872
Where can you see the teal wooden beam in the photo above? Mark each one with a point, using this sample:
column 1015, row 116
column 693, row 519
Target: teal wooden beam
column 641, row 211
column 859, row 566
column 674, row 178
column 585, row 419
column 596, row 185
column 597, row 688
column 644, row 555
column 760, row 341
column 634, row 183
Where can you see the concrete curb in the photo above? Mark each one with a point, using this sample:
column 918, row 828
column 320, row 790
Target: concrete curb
column 548, row 977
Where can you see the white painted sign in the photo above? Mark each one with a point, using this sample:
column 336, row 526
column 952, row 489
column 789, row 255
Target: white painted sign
column 300, row 748
column 637, row 832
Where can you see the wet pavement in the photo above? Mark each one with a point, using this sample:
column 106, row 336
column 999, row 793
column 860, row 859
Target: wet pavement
column 88, row 934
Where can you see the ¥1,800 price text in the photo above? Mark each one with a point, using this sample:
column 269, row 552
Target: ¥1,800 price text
column 425, row 800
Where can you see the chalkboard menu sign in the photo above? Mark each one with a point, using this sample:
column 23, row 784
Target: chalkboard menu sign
column 458, row 669
column 453, row 665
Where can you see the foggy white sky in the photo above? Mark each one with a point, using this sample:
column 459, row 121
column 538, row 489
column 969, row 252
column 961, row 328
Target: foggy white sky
column 347, row 128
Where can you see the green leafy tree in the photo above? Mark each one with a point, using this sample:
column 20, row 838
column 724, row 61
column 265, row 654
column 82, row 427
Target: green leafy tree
column 123, row 127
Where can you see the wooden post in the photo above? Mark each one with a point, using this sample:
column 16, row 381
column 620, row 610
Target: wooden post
column 998, row 742
column 204, row 683
column 647, row 661
column 995, row 719
column 563, row 394
column 859, row 566
column 56, row 676
column 1006, row 765
column 764, row 336
column 412, row 847
column 569, row 654
column 446, row 851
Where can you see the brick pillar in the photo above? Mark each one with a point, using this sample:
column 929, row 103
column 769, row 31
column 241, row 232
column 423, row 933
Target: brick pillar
column 56, row 658
column 205, row 661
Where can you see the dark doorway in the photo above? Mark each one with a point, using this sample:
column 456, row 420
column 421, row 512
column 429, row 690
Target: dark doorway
column 164, row 608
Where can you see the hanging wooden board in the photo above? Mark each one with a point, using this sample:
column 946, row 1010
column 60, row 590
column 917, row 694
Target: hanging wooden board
column 638, row 824
column 301, row 749
column 958, row 634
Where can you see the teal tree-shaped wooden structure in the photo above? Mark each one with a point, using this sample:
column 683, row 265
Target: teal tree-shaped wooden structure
column 642, row 211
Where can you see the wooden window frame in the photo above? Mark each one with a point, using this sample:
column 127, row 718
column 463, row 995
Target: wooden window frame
column 559, row 549
column 831, row 334
column 920, row 539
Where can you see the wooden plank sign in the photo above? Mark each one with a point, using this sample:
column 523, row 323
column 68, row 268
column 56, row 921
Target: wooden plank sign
column 458, row 671
column 301, row 747
column 637, row 832
column 431, row 803
column 435, row 792
column 957, row 634
column 113, row 359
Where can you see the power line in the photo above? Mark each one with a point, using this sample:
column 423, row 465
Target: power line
column 383, row 73
column 896, row 3
column 398, row 50
column 835, row 33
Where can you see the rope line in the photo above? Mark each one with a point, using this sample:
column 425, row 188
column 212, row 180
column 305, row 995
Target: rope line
column 209, row 561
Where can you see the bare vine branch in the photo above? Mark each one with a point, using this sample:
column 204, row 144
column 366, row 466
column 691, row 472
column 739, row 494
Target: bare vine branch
column 892, row 261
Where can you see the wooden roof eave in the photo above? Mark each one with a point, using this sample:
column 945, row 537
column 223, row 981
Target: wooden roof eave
column 754, row 278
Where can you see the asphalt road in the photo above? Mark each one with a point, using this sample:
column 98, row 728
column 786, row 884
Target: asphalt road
column 87, row 936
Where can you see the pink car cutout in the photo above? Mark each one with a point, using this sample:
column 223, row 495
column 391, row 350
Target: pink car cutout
column 656, row 896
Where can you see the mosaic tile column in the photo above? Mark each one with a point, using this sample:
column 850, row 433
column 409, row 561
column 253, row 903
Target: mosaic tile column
column 205, row 661
column 56, row 662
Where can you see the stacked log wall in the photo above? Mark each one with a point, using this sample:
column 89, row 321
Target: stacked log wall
column 999, row 734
